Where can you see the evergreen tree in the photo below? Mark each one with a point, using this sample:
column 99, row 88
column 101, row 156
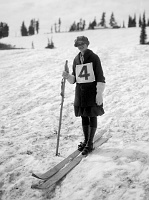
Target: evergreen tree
column 134, row 21
column 84, row 24
column 143, row 35
column 23, row 29
column 103, row 21
column 31, row 29
column 140, row 21
column 55, row 26
column 37, row 26
column 80, row 25
column 73, row 27
column 1, row 34
column 92, row 24
column 123, row 24
column 4, row 30
column 147, row 23
column 50, row 44
column 59, row 24
column 129, row 21
column 51, row 29
column 112, row 20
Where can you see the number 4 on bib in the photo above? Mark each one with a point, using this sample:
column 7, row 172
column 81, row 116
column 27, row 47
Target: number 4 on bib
column 85, row 73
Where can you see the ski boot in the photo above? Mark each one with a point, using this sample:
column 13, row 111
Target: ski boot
column 86, row 133
column 89, row 146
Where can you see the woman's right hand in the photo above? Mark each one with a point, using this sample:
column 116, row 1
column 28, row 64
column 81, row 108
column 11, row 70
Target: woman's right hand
column 65, row 74
column 70, row 78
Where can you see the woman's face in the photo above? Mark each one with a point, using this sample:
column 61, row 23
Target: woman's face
column 82, row 47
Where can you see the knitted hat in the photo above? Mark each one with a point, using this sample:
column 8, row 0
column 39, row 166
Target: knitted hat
column 80, row 40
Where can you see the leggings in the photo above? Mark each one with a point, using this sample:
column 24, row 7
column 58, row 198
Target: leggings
column 91, row 121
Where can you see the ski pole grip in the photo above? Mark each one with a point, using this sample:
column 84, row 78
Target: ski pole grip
column 66, row 66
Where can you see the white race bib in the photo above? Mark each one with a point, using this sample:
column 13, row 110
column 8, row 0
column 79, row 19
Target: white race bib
column 85, row 73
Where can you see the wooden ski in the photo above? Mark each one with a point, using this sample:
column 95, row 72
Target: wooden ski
column 60, row 165
column 60, row 174
column 55, row 169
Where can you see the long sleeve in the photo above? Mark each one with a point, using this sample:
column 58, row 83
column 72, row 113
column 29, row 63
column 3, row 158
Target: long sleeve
column 98, row 71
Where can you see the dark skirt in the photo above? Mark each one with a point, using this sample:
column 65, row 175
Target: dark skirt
column 90, row 111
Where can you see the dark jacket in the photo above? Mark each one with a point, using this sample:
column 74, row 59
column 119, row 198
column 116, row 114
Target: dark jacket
column 85, row 93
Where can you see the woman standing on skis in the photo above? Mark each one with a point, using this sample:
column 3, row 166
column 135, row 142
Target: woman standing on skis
column 90, row 83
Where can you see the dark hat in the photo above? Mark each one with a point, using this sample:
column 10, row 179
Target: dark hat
column 80, row 40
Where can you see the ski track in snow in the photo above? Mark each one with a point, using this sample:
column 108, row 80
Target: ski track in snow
column 30, row 84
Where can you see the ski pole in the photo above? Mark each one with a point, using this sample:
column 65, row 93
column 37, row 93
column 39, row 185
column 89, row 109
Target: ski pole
column 61, row 109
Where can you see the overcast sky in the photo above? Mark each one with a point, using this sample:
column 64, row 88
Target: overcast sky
column 14, row 12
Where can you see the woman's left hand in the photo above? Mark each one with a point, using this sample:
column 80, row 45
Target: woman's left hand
column 99, row 99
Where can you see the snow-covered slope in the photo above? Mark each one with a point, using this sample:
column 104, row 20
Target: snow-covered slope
column 30, row 82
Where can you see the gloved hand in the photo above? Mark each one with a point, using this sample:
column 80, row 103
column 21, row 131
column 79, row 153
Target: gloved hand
column 100, row 88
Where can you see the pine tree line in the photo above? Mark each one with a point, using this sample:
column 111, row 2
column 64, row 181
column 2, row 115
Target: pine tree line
column 76, row 26
column 32, row 29
column 94, row 24
column 80, row 26
column 4, row 30
column 103, row 24
column 132, row 22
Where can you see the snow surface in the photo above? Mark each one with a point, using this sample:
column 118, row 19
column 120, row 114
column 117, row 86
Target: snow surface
column 30, row 84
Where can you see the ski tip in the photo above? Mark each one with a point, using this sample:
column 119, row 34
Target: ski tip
column 34, row 175
column 35, row 186
column 39, row 176
column 38, row 187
